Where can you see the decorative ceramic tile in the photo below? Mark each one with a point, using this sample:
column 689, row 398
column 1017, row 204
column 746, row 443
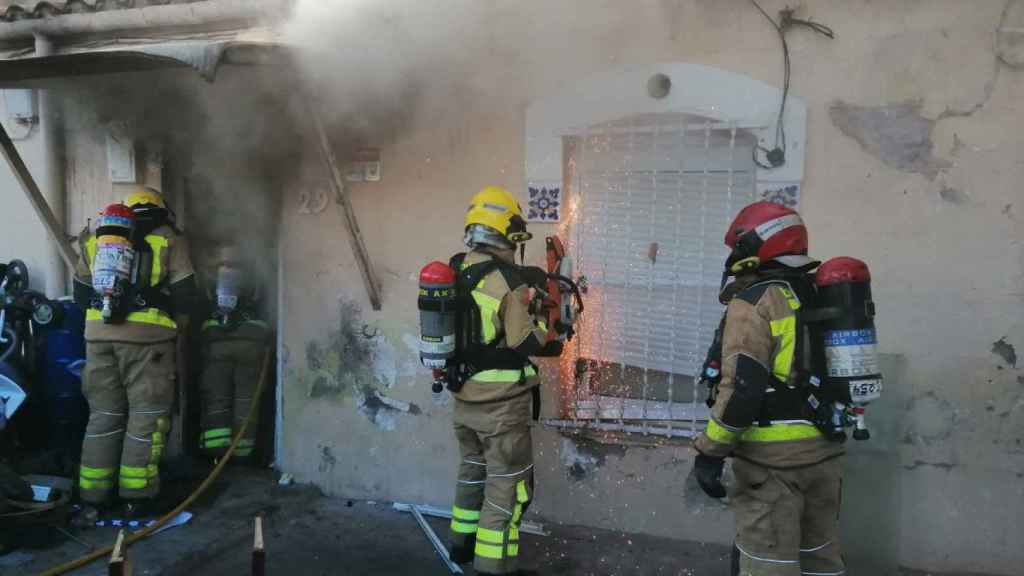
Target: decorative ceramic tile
column 544, row 203
column 784, row 193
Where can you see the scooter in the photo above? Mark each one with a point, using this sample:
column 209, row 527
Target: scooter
column 22, row 312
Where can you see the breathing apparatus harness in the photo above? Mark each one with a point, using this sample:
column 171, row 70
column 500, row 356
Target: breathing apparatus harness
column 473, row 355
column 138, row 293
column 817, row 390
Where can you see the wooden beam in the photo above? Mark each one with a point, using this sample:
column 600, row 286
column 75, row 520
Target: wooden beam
column 344, row 206
column 259, row 558
column 35, row 197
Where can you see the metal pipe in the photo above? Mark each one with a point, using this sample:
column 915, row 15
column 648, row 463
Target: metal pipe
column 432, row 536
column 617, row 427
column 242, row 13
column 525, row 527
column 52, row 177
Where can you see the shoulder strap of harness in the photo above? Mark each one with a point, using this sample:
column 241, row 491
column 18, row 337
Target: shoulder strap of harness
column 475, row 356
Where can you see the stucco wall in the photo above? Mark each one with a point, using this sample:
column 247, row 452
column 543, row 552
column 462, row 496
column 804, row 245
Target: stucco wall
column 912, row 164
column 22, row 234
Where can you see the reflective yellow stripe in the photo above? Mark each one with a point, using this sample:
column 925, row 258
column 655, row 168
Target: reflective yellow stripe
column 87, row 484
column 513, row 549
column 216, row 433
column 157, row 243
column 522, row 497
column 463, row 527
column 137, row 477
column 95, row 473
column 465, row 514
column 780, row 433
column 489, row 306
column 90, row 249
column 147, row 316
column 488, row 550
column 163, row 425
column 133, row 483
column 490, row 536
column 215, row 443
column 785, row 330
column 148, row 471
column 504, row 375
column 791, row 299
column 498, row 376
column 244, row 448
column 718, row 433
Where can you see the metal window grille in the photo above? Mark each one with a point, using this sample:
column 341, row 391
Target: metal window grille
column 654, row 195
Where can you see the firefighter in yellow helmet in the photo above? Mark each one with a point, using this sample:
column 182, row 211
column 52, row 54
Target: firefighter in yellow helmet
column 131, row 350
column 493, row 405
column 233, row 342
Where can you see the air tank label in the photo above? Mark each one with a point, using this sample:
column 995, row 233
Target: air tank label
column 435, row 345
column 851, row 353
column 111, row 262
column 864, row 391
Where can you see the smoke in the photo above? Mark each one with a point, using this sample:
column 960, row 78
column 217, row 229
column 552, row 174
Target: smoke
column 377, row 67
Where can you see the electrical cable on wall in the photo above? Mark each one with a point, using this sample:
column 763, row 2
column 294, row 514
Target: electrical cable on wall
column 776, row 156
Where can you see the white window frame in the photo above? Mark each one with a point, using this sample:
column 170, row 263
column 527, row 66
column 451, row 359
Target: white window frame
column 722, row 99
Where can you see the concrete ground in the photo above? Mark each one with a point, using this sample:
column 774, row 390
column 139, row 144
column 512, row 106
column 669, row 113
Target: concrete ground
column 309, row 534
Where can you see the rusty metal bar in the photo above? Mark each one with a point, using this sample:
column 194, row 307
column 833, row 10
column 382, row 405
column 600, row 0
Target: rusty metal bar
column 344, row 205
column 35, row 197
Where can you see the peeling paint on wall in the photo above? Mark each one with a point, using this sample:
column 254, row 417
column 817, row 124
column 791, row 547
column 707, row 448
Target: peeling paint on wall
column 1006, row 351
column 897, row 134
column 952, row 195
column 356, row 362
column 327, row 460
column 1010, row 35
column 931, row 419
column 581, row 456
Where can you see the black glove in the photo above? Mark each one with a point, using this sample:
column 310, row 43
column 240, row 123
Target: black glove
column 709, row 475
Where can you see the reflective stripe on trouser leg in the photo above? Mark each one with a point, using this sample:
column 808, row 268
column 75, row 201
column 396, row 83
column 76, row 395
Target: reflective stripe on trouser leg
column 508, row 491
column 149, row 370
column 215, row 438
column 101, row 447
column 469, row 492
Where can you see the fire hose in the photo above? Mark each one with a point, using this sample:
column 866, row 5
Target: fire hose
column 135, row 537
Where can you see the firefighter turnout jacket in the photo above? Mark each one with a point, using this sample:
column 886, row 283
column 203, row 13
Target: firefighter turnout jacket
column 749, row 419
column 504, row 302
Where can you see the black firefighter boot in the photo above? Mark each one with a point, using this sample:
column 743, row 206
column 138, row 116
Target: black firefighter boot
column 463, row 554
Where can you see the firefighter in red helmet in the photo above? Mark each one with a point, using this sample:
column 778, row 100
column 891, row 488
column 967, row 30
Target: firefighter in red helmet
column 786, row 493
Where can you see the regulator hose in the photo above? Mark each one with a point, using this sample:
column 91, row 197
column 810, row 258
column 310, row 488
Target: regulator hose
column 135, row 537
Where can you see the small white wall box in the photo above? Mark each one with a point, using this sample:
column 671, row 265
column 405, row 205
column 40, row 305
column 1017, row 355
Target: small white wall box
column 365, row 166
column 21, row 105
column 121, row 158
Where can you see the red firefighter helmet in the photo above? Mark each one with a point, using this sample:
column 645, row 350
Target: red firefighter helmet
column 115, row 220
column 763, row 232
